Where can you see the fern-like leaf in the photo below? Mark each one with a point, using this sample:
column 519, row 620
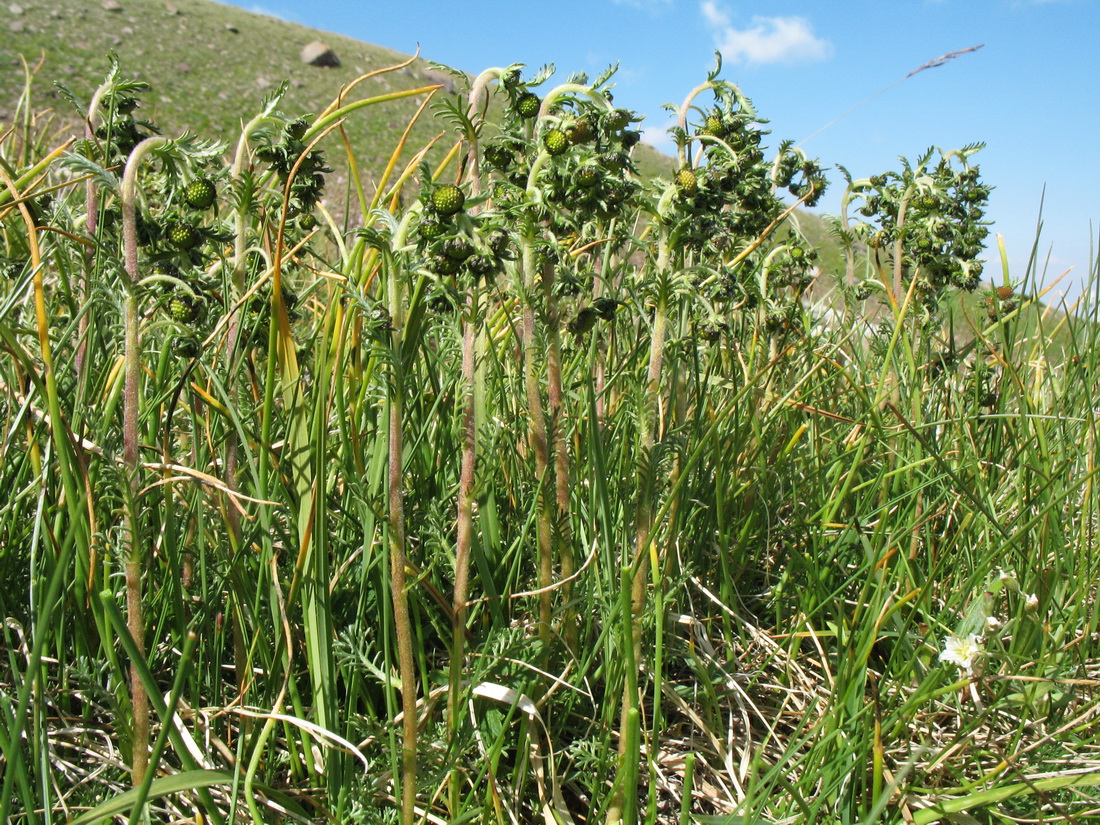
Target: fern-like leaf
column 542, row 75
column 453, row 110
column 271, row 101
column 713, row 74
column 71, row 97
column 604, row 76
column 82, row 165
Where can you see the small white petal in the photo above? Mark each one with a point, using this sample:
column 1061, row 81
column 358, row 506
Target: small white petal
column 961, row 652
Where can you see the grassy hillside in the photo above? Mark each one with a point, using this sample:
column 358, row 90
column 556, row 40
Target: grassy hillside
column 212, row 64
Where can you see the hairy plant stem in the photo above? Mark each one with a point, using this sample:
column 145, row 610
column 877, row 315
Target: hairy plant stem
column 232, row 358
column 743, row 105
column 465, row 535
column 91, row 208
column 132, row 552
column 131, row 409
column 396, row 515
column 478, row 98
column 562, row 536
column 536, row 430
column 604, row 345
column 899, row 246
column 643, row 538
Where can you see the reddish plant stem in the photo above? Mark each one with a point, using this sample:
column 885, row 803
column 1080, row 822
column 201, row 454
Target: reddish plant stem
column 402, row 623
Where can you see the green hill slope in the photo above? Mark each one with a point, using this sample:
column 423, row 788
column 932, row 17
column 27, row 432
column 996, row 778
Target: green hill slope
column 210, row 65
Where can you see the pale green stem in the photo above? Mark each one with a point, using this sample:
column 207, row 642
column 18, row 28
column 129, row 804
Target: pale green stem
column 564, row 89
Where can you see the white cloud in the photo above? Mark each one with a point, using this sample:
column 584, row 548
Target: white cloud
column 658, row 137
column 767, row 40
column 714, row 14
column 279, row 14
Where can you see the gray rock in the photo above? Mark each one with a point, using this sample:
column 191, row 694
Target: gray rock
column 16, row 26
column 229, row 27
column 111, row 5
column 15, row 9
column 319, row 54
column 443, row 78
column 172, row 10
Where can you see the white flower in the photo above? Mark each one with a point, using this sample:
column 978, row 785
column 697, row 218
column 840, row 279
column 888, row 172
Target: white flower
column 1031, row 602
column 992, row 622
column 961, row 652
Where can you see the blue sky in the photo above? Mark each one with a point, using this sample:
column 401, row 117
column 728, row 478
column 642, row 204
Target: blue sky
column 1032, row 93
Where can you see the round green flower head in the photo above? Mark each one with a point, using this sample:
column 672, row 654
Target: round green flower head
column 580, row 131
column 714, row 126
column 555, row 142
column 183, row 308
column 458, row 248
column 431, row 226
column 183, row 235
column 200, row 193
column 296, row 129
column 587, row 176
column 686, row 180
column 527, row 105
column 448, row 199
column 618, row 120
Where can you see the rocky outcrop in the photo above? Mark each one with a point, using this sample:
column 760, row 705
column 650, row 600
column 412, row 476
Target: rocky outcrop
column 319, row 54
